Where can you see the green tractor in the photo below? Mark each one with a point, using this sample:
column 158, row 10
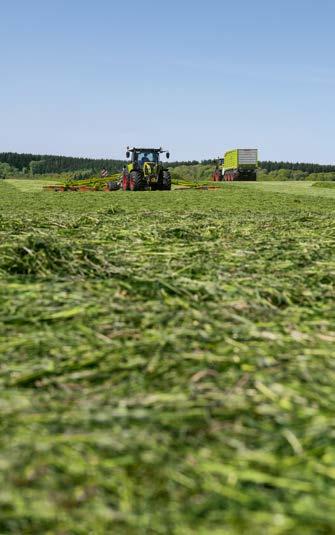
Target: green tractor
column 145, row 171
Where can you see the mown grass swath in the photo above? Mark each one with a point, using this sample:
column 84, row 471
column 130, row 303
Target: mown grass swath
column 166, row 362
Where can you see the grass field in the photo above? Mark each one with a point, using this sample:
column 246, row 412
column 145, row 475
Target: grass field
column 166, row 361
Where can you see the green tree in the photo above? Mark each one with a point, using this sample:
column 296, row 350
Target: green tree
column 5, row 170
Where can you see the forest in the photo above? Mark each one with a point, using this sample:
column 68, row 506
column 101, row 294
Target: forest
column 35, row 164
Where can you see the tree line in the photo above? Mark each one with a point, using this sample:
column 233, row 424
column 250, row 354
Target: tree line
column 271, row 166
column 44, row 164
column 36, row 164
column 298, row 166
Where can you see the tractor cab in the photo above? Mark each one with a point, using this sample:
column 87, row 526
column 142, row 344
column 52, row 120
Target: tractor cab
column 217, row 175
column 142, row 156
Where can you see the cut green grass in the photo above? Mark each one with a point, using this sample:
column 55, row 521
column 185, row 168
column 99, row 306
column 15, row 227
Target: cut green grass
column 166, row 361
column 324, row 185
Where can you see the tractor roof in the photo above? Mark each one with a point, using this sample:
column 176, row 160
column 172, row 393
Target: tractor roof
column 145, row 149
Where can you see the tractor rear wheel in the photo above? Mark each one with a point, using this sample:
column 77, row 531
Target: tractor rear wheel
column 136, row 181
column 166, row 181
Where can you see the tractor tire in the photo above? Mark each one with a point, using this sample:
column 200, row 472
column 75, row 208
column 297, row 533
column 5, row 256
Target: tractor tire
column 136, row 181
column 113, row 186
column 166, row 183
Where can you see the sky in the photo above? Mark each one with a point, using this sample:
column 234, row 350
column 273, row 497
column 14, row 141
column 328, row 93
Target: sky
column 87, row 78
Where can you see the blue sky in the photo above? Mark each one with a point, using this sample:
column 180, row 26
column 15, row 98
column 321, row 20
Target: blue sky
column 88, row 78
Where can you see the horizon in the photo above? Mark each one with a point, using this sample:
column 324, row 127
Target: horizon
column 84, row 79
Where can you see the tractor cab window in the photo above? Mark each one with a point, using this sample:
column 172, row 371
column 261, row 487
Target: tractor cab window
column 151, row 157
